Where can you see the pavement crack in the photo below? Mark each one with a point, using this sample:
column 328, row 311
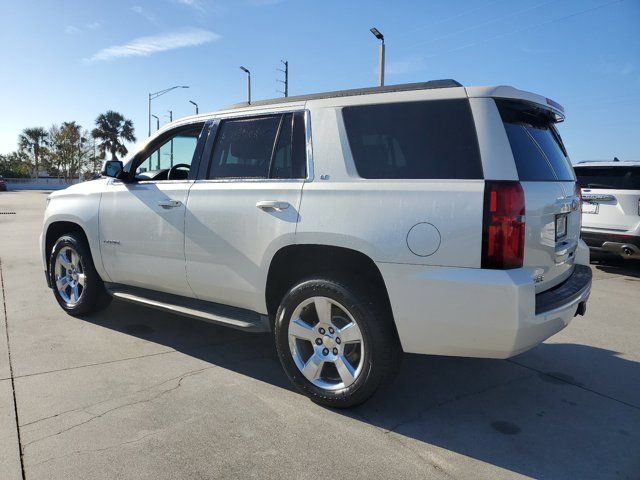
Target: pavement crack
column 129, row 404
column 13, row 385
column 603, row 395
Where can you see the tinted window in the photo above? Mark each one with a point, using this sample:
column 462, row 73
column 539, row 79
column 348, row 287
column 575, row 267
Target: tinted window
column 535, row 143
column 243, row 148
column 434, row 139
column 621, row 178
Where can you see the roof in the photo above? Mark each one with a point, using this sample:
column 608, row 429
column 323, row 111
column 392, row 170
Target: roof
column 591, row 163
column 447, row 83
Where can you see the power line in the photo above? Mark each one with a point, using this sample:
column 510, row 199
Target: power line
column 500, row 35
column 481, row 24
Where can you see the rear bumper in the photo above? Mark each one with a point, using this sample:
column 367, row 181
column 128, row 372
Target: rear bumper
column 627, row 246
column 479, row 313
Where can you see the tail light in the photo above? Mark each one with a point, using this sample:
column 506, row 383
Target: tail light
column 503, row 225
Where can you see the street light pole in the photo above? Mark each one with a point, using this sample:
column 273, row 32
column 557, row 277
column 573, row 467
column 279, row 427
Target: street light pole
column 245, row 70
column 158, row 154
column 158, row 94
column 194, row 104
column 171, row 155
column 379, row 36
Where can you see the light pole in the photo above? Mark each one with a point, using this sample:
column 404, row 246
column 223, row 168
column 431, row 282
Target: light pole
column 245, row 70
column 171, row 154
column 379, row 36
column 195, row 105
column 158, row 94
column 157, row 128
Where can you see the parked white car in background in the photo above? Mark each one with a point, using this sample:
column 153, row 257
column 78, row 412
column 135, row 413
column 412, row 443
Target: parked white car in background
column 427, row 218
column 611, row 207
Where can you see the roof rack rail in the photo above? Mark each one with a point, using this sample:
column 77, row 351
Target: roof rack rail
column 403, row 87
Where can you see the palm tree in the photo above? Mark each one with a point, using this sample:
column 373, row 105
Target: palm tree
column 112, row 129
column 33, row 140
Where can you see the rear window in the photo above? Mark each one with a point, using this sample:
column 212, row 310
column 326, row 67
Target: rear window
column 414, row 140
column 535, row 143
column 619, row 178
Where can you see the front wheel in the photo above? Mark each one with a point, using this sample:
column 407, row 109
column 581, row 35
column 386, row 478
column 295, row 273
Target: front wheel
column 76, row 285
column 336, row 341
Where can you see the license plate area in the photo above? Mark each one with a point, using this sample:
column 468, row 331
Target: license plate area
column 561, row 226
column 590, row 207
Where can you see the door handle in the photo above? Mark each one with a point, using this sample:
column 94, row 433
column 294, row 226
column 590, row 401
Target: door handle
column 272, row 205
column 167, row 204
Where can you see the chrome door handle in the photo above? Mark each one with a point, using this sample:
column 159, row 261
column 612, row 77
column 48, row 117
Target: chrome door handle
column 167, row 204
column 272, row 205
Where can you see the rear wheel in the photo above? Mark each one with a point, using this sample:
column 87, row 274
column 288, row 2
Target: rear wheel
column 76, row 285
column 336, row 343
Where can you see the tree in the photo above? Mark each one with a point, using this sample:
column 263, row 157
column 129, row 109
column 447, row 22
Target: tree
column 15, row 165
column 33, row 140
column 112, row 130
column 69, row 150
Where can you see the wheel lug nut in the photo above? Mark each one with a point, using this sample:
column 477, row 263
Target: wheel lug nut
column 325, row 351
column 335, row 351
column 321, row 330
column 318, row 341
column 331, row 330
column 338, row 340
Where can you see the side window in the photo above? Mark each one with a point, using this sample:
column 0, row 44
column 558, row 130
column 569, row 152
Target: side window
column 260, row 147
column 421, row 140
column 244, row 147
column 176, row 151
column 290, row 159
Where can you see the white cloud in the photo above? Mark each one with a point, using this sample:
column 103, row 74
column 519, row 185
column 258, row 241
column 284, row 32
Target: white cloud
column 71, row 30
column 145, row 46
column 94, row 25
column 405, row 66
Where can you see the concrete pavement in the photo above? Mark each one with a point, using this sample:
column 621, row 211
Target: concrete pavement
column 136, row 393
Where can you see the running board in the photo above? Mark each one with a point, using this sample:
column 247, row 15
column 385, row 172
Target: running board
column 216, row 313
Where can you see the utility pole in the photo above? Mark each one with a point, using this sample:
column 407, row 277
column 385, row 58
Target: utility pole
column 246, row 70
column 379, row 36
column 286, row 77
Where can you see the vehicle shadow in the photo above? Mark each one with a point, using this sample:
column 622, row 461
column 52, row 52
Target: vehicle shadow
column 525, row 420
column 616, row 265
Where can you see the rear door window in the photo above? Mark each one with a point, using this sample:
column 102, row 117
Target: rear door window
column 414, row 140
column 618, row 177
column 535, row 143
column 260, row 147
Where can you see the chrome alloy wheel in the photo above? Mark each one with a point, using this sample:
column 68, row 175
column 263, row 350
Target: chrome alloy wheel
column 326, row 343
column 69, row 276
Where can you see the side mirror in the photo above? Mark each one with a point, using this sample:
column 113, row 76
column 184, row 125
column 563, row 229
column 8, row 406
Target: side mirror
column 112, row 168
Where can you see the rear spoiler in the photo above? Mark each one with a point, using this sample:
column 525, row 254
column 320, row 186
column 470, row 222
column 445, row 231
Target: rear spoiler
column 511, row 93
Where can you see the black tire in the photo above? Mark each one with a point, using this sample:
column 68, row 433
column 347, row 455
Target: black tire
column 382, row 348
column 94, row 296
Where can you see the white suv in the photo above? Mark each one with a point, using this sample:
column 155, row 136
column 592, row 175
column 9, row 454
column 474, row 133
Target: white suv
column 426, row 218
column 611, row 208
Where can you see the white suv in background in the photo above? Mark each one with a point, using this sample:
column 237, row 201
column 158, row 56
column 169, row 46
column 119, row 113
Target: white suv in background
column 426, row 218
column 611, row 208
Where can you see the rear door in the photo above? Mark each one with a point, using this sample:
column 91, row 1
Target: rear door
column 245, row 206
column 549, row 184
column 611, row 196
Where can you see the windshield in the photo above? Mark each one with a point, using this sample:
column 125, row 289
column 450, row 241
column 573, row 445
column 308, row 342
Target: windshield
column 619, row 178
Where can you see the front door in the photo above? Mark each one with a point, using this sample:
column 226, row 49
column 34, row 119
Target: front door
column 142, row 222
column 245, row 207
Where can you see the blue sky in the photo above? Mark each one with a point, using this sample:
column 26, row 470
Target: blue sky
column 71, row 60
